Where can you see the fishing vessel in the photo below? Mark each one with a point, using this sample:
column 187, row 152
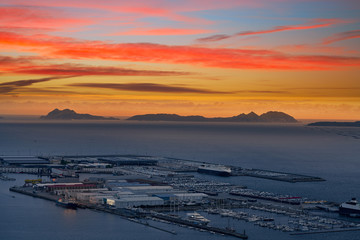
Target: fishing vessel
column 66, row 204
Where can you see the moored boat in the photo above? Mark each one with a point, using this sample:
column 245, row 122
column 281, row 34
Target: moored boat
column 350, row 208
column 66, row 204
column 215, row 170
column 197, row 218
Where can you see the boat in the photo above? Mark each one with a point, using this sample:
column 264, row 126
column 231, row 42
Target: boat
column 215, row 170
column 66, row 204
column 197, row 218
column 350, row 208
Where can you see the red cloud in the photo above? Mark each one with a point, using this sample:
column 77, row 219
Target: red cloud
column 342, row 36
column 171, row 10
column 157, row 53
column 20, row 18
column 137, row 9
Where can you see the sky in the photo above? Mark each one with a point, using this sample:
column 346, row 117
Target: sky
column 189, row 57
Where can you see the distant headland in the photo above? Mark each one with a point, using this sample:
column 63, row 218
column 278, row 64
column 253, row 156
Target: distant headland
column 335, row 124
column 68, row 114
column 272, row 116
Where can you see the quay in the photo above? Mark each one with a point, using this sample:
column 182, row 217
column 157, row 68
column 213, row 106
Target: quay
column 6, row 178
column 274, row 175
column 326, row 231
column 181, row 221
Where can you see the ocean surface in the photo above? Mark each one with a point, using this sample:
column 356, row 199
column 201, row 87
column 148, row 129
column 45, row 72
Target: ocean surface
column 331, row 153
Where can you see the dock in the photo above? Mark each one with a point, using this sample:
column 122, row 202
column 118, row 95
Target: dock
column 185, row 222
column 326, row 231
column 274, row 175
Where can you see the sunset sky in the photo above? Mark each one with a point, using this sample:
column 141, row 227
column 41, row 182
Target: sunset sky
column 190, row 57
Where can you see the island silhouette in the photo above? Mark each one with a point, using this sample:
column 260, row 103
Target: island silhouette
column 271, row 116
column 68, row 114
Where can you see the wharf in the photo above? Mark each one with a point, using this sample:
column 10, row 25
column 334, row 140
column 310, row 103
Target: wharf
column 274, row 175
column 326, row 231
column 181, row 221
column 6, row 178
column 28, row 191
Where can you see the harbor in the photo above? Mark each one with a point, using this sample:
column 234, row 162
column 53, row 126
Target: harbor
column 158, row 189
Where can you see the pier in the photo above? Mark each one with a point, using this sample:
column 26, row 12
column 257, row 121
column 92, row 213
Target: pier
column 185, row 222
column 274, row 175
column 326, row 231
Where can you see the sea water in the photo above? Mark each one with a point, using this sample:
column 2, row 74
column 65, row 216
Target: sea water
column 329, row 153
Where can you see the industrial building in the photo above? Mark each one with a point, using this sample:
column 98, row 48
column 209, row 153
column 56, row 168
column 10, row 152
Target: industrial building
column 121, row 161
column 59, row 186
column 138, row 201
column 21, row 160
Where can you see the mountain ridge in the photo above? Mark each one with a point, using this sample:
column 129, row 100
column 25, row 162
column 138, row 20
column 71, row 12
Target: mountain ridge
column 271, row 116
column 68, row 114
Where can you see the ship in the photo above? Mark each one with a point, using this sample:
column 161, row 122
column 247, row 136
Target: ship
column 197, row 218
column 350, row 208
column 215, row 170
column 66, row 204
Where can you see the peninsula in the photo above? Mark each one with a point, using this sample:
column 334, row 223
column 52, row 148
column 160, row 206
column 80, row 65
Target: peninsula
column 335, row 124
column 271, row 116
column 68, row 114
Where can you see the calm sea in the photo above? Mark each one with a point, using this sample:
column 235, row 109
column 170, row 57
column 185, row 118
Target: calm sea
column 330, row 153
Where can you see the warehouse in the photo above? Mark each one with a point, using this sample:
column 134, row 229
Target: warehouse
column 148, row 189
column 21, row 160
column 190, row 197
column 138, row 201
column 60, row 186
column 121, row 161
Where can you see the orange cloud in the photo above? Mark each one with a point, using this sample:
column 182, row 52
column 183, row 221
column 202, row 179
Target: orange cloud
column 317, row 23
column 157, row 53
column 342, row 36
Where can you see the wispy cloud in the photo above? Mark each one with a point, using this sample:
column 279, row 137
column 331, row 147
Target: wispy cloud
column 162, row 32
column 83, row 70
column 140, row 9
column 26, row 65
column 8, row 87
column 22, row 18
column 317, row 23
column 148, row 87
column 342, row 36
